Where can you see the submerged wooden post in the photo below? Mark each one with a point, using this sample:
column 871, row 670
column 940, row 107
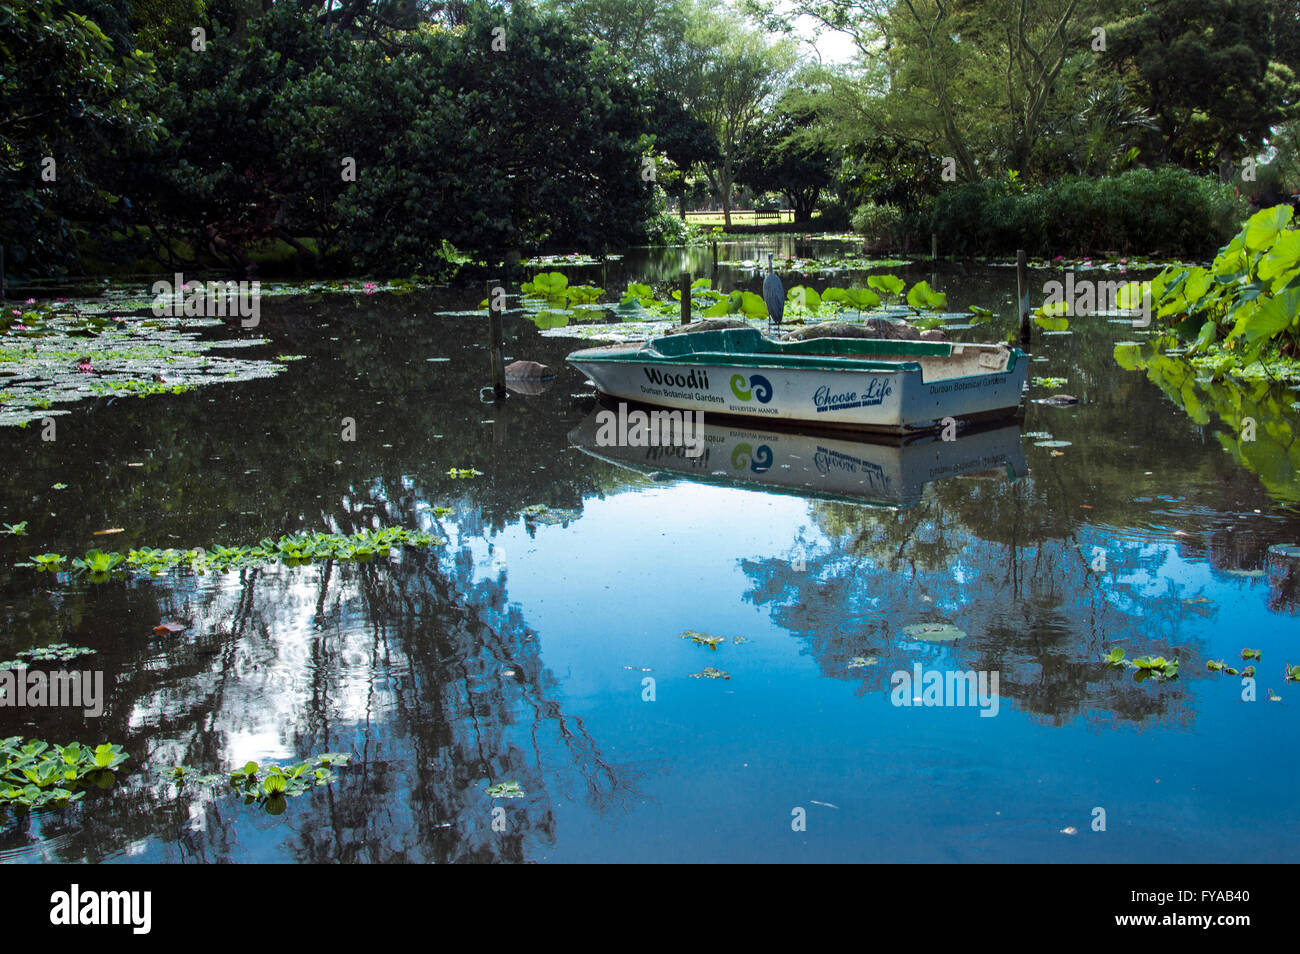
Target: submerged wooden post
column 934, row 246
column 1022, row 295
column 2, row 273
column 495, row 341
column 686, row 297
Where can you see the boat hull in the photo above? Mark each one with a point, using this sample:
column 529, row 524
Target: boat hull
column 891, row 400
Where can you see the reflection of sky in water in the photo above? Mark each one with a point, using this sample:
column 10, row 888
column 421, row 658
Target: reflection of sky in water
column 731, row 759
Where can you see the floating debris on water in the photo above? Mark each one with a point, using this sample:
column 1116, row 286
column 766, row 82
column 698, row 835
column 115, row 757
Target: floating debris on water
column 708, row 672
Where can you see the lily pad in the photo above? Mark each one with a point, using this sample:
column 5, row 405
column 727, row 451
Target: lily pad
column 934, row 632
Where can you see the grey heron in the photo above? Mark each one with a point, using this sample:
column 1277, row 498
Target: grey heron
column 773, row 293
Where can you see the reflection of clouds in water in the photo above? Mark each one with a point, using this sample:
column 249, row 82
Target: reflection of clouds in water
column 290, row 644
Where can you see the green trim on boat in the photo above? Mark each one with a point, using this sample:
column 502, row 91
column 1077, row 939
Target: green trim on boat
column 749, row 347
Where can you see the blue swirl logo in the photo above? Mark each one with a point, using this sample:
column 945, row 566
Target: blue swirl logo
column 757, row 387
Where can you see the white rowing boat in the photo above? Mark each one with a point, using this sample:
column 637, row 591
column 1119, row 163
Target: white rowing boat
column 862, row 383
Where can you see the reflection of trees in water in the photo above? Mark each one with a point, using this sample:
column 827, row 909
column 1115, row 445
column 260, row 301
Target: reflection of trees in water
column 427, row 674
column 993, row 560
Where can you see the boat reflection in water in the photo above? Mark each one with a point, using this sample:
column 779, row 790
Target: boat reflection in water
column 823, row 464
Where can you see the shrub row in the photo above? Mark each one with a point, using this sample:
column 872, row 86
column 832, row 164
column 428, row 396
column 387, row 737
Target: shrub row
column 1165, row 212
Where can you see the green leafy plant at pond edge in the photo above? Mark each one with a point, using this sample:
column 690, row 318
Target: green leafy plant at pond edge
column 1244, row 310
column 36, row 774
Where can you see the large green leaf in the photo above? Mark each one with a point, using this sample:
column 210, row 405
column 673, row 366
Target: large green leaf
column 921, row 296
column 1262, row 227
column 889, row 284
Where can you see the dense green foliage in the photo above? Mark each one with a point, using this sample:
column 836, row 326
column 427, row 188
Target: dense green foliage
column 403, row 138
column 368, row 154
column 1167, row 211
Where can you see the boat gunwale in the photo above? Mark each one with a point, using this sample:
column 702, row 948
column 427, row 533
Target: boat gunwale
column 646, row 353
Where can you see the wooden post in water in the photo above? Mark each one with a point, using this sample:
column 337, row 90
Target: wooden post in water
column 495, row 341
column 934, row 246
column 1022, row 295
column 2, row 273
column 686, row 296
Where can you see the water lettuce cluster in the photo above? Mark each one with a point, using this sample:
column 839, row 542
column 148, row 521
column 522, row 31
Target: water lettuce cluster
column 291, row 550
column 36, row 774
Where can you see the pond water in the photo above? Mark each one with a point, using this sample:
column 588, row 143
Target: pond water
column 543, row 643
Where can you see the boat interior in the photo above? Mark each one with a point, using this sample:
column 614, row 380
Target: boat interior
column 937, row 360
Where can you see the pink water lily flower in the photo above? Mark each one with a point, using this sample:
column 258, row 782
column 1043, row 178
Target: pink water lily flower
column 371, row 288
column 31, row 301
column 85, row 368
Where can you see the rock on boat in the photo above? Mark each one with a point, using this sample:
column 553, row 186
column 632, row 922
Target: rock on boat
column 868, row 384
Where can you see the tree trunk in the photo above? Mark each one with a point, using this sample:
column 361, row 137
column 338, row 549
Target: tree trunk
column 724, row 191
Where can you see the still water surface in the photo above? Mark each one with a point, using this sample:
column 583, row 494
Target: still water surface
column 521, row 651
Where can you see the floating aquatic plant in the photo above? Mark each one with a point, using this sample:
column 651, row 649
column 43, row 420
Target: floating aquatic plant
column 540, row 514
column 55, row 652
column 462, row 473
column 36, row 774
column 933, row 632
column 292, row 550
column 1251, row 654
column 1146, row 667
column 506, row 790
column 703, row 639
column 708, row 672
column 68, row 353
column 1156, row 667
column 270, row 784
column 267, row 785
